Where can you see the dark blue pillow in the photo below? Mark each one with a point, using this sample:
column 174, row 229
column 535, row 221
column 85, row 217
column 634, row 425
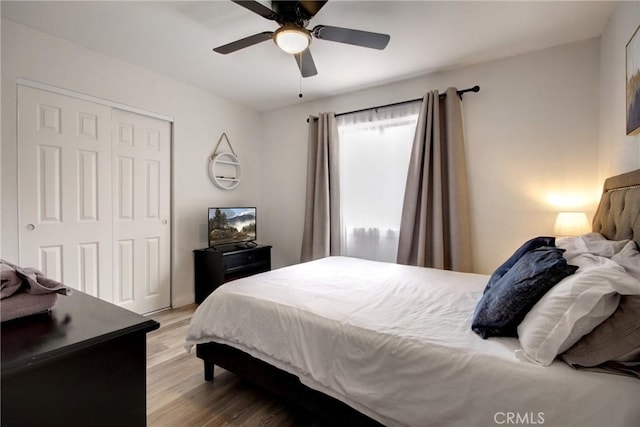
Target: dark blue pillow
column 502, row 308
column 529, row 245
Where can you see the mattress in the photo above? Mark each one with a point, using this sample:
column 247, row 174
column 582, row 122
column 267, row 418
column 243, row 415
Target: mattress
column 395, row 343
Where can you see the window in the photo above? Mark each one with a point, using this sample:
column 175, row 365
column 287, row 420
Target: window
column 375, row 147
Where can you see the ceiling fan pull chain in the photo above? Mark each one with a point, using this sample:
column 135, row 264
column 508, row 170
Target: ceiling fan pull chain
column 300, row 93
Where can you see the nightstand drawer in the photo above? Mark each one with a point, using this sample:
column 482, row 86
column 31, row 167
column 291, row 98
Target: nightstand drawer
column 213, row 267
column 244, row 259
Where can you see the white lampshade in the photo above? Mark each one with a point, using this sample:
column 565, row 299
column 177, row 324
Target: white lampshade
column 571, row 224
column 292, row 39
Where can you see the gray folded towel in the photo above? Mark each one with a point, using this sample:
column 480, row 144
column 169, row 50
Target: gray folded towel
column 15, row 279
column 22, row 304
column 26, row 291
column 9, row 280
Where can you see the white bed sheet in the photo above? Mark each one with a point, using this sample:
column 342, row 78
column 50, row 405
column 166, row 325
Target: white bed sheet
column 395, row 343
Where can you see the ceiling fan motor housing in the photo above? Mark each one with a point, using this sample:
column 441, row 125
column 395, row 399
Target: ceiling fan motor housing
column 291, row 12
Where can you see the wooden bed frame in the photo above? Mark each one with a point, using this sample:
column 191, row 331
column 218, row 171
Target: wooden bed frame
column 279, row 382
column 617, row 218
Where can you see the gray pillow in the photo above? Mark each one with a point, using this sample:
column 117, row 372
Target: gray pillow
column 613, row 339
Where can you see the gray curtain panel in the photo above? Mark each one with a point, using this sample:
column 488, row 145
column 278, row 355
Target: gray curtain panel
column 322, row 228
column 435, row 228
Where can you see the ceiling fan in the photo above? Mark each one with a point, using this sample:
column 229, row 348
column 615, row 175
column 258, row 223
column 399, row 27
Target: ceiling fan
column 293, row 36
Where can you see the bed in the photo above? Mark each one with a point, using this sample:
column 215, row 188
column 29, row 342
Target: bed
column 368, row 343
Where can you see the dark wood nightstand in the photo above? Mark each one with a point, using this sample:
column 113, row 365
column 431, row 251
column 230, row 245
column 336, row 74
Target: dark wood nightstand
column 215, row 266
column 81, row 364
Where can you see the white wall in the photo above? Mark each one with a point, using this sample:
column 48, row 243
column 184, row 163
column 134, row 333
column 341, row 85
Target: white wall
column 1, row 179
column 199, row 120
column 530, row 132
column 618, row 153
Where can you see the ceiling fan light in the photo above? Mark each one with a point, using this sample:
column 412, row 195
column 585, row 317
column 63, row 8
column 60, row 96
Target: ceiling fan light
column 292, row 39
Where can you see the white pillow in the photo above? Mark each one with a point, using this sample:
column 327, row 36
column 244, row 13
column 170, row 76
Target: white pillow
column 573, row 308
column 594, row 243
column 629, row 258
column 601, row 246
column 573, row 246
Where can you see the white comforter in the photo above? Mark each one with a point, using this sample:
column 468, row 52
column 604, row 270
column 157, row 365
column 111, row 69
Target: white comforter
column 395, row 343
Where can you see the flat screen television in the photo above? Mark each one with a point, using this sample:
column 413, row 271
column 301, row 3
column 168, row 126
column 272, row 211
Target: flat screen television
column 228, row 226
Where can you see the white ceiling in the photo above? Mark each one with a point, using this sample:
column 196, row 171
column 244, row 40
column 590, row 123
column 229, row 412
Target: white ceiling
column 176, row 39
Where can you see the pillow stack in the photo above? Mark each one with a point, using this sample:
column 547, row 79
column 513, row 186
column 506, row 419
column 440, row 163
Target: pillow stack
column 590, row 318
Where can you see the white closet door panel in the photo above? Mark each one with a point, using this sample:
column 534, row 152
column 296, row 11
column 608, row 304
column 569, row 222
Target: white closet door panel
column 141, row 212
column 89, row 267
column 87, row 125
column 49, row 191
column 50, row 262
column 124, row 188
column 87, row 185
column 49, row 118
column 153, row 265
column 124, row 268
column 152, row 190
column 64, row 184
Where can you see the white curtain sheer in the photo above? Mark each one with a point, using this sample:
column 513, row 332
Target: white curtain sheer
column 375, row 149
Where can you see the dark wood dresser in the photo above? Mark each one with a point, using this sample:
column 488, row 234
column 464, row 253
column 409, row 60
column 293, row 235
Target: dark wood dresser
column 82, row 364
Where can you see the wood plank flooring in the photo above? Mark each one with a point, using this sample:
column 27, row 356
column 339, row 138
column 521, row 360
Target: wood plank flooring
column 178, row 395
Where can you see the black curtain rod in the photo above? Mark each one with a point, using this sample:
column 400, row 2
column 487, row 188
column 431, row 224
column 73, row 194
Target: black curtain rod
column 476, row 88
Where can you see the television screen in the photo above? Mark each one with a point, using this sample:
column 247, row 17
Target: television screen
column 231, row 225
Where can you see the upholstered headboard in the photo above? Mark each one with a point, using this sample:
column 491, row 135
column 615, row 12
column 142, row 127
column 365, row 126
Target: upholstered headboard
column 618, row 214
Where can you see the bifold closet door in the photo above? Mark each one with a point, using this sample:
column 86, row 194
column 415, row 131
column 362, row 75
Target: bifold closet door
column 64, row 189
column 94, row 194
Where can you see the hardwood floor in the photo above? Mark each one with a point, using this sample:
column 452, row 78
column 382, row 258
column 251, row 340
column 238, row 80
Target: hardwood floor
column 178, row 395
